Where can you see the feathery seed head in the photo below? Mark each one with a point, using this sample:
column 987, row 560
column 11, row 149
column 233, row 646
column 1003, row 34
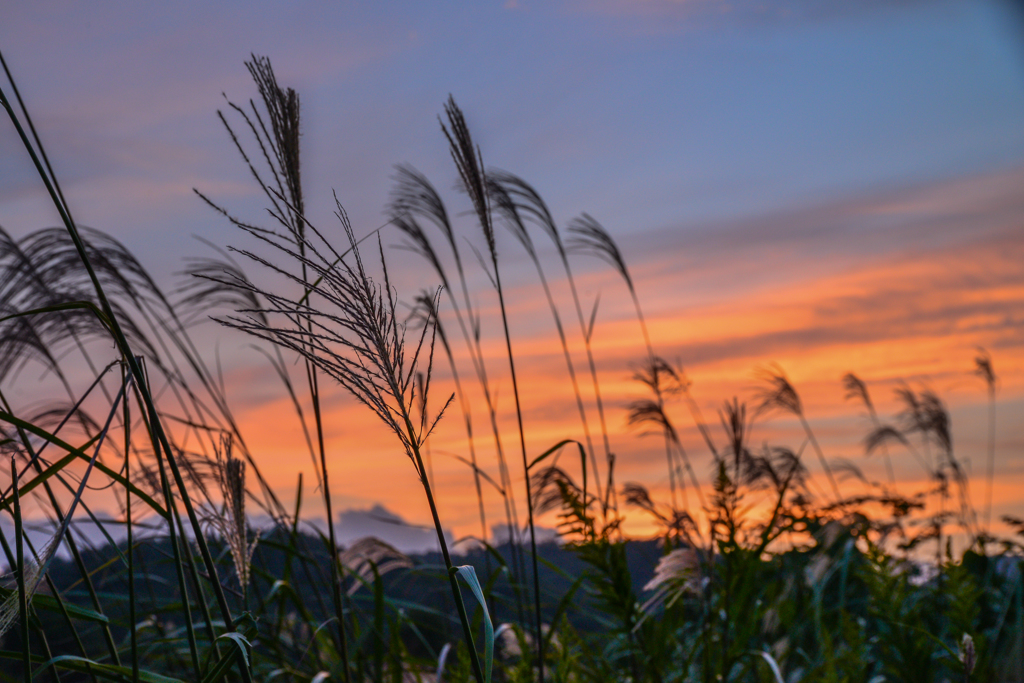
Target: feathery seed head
column 967, row 654
column 590, row 237
column 779, row 394
column 232, row 524
column 855, row 388
column 983, row 368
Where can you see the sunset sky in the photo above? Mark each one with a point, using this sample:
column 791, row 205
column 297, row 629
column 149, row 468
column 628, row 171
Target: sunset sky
column 830, row 185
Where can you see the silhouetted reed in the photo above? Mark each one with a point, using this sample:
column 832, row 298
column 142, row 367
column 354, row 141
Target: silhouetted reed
column 469, row 163
column 779, row 394
column 115, row 326
column 857, row 389
column 414, row 197
column 983, row 368
column 346, row 325
column 506, row 194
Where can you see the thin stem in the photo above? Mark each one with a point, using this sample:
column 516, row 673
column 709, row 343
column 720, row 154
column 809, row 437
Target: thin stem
column 991, row 465
column 160, row 440
column 26, row 652
column 460, row 605
column 526, row 474
column 587, row 333
column 336, row 575
column 821, row 458
column 129, row 550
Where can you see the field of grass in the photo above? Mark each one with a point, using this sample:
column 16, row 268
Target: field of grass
column 768, row 572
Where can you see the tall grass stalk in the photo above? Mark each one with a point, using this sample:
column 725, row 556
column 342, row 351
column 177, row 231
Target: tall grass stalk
column 469, row 163
column 426, row 305
column 983, row 368
column 129, row 544
column 160, row 442
column 658, row 376
column 280, row 149
column 531, row 203
column 780, row 394
column 514, row 200
column 590, row 237
column 855, row 388
column 21, row 574
column 414, row 195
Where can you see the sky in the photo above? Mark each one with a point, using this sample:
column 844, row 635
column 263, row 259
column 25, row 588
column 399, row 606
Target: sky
column 831, row 186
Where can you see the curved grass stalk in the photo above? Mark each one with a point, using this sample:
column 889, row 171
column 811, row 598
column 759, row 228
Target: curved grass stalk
column 500, row 187
column 531, row 202
column 281, row 151
column 590, row 237
column 416, row 196
column 780, row 394
column 855, row 388
column 427, row 304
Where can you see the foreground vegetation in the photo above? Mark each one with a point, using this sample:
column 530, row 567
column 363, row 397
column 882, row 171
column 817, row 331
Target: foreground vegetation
column 768, row 572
